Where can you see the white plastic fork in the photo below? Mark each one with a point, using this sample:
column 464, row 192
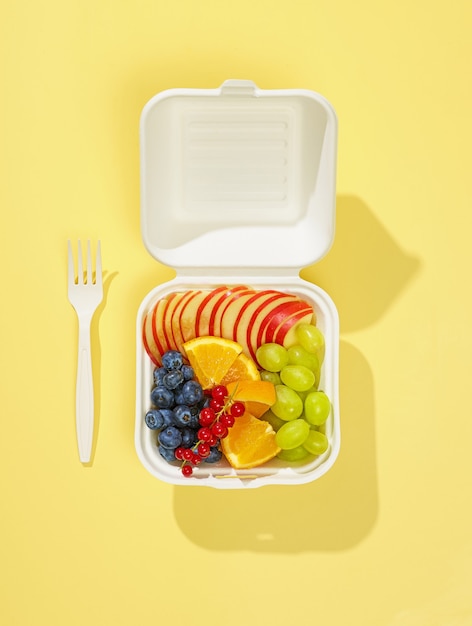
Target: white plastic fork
column 85, row 294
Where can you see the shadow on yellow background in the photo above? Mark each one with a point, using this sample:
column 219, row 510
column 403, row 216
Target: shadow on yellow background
column 364, row 272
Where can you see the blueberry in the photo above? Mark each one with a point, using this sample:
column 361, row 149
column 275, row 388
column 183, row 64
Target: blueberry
column 167, row 453
column 182, row 415
column 154, row 419
column 192, row 392
column 172, row 360
column 189, row 437
column 170, row 437
column 215, row 455
column 168, row 417
column 188, row 372
column 159, row 374
column 162, row 397
column 173, row 379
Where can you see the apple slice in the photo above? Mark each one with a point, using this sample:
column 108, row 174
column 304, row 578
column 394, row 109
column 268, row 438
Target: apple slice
column 261, row 318
column 285, row 334
column 268, row 333
column 203, row 314
column 246, row 313
column 232, row 312
column 172, row 302
column 221, row 311
column 148, row 340
column 223, row 300
column 157, row 328
column 176, row 317
column 188, row 314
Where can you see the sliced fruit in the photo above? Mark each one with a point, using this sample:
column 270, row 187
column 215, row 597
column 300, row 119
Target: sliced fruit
column 249, row 443
column 211, row 358
column 245, row 315
column 172, row 302
column 258, row 395
column 286, row 332
column 188, row 314
column 221, row 312
column 206, row 306
column 243, row 368
column 279, row 318
column 232, row 312
column 222, row 301
column 176, row 316
column 148, row 340
column 157, row 326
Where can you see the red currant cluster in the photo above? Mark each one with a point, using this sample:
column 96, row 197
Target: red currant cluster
column 215, row 420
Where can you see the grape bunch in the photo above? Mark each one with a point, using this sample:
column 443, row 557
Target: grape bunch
column 301, row 408
column 189, row 421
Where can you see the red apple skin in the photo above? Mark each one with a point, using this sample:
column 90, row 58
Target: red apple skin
column 282, row 334
column 279, row 318
column 218, row 322
column 202, row 317
column 223, row 300
column 260, row 318
column 274, row 318
column 150, row 346
column 176, row 317
column 188, row 313
column 228, row 319
column 172, row 301
column 248, row 313
column 157, row 332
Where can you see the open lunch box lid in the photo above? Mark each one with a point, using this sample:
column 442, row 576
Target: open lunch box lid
column 238, row 177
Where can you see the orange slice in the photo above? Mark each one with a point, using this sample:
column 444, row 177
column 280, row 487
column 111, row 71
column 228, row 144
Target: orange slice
column 258, row 396
column 243, row 368
column 211, row 358
column 249, row 443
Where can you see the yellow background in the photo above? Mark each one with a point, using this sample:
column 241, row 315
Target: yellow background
column 385, row 538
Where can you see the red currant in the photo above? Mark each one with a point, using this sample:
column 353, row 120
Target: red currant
column 216, row 404
column 219, row 392
column 204, row 433
column 213, row 441
column 219, row 430
column 187, row 470
column 227, row 419
column 237, row 409
column 207, row 416
column 179, row 453
column 203, row 450
column 196, row 459
column 187, row 454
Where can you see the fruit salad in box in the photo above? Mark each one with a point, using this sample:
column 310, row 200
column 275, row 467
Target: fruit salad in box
column 237, row 356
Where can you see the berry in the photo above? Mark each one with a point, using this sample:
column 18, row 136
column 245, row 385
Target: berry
column 207, row 416
column 213, row 441
column 189, row 437
column 237, row 409
column 219, row 430
column 219, row 392
column 168, row 417
column 154, row 419
column 172, row 360
column 182, row 415
column 187, row 454
column 227, row 419
column 204, row 433
column 166, row 453
column 159, row 374
column 187, row 470
column 187, row 371
column 214, row 456
column 216, row 404
column 203, row 450
column 192, row 392
column 178, row 453
column 162, row 398
column 173, row 379
column 196, row 459
column 170, row 437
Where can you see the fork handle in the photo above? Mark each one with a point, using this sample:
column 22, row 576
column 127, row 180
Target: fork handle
column 84, row 407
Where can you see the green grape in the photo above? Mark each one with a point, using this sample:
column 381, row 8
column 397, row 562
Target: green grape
column 297, row 355
column 316, row 442
column 272, row 357
column 288, row 405
column 317, row 408
column 292, row 434
column 312, row 339
column 274, row 421
column 297, row 377
column 304, row 394
column 295, row 454
column 271, row 377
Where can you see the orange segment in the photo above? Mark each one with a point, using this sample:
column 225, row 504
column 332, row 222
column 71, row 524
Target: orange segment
column 249, row 443
column 258, row 396
column 243, row 368
column 211, row 358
